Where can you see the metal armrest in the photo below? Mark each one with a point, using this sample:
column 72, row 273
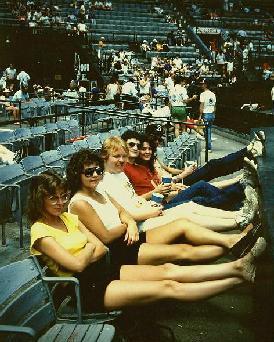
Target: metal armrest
column 18, row 330
column 74, row 281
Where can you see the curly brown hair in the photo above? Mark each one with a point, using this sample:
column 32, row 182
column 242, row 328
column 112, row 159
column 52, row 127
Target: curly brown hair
column 76, row 166
column 43, row 185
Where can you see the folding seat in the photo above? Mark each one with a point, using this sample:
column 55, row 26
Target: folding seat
column 39, row 133
column 7, row 138
column 25, row 112
column 33, row 165
column 114, row 132
column 52, row 135
column 13, row 196
column 53, row 159
column 80, row 144
column 94, row 142
column 66, row 152
column 24, row 140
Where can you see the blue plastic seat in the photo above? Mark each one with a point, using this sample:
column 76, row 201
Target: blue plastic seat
column 53, row 159
column 66, row 152
column 33, row 165
column 13, row 192
column 80, row 144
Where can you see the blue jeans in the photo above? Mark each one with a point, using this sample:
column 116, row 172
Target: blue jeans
column 218, row 167
column 208, row 120
column 208, row 195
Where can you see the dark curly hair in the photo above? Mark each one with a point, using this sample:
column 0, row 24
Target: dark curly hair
column 130, row 135
column 43, row 185
column 76, row 165
column 145, row 138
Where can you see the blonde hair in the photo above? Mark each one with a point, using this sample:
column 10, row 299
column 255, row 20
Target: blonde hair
column 111, row 145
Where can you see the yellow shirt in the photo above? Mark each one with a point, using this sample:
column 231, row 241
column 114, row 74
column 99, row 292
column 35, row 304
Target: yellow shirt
column 73, row 240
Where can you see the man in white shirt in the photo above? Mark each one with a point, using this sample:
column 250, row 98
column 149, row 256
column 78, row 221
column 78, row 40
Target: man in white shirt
column 10, row 74
column 207, row 110
column 178, row 99
column 23, row 78
column 129, row 88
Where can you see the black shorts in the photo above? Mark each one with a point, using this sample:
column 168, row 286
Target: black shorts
column 93, row 283
column 121, row 254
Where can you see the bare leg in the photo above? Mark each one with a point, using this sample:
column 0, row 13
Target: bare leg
column 127, row 293
column 192, row 232
column 213, row 212
column 197, row 214
column 177, row 130
column 158, row 254
column 183, row 274
column 213, row 223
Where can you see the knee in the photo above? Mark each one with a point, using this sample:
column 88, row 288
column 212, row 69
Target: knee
column 169, row 287
column 187, row 251
column 167, row 271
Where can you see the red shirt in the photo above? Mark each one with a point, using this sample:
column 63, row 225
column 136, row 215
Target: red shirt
column 141, row 178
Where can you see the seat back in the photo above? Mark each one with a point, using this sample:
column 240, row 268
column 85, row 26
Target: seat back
column 51, row 157
column 66, row 150
column 94, row 142
column 24, row 298
column 51, row 127
column 11, row 173
column 38, row 130
column 7, row 136
column 33, row 164
column 80, row 144
column 22, row 133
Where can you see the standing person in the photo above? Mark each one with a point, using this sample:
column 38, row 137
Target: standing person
column 68, row 248
column 207, row 110
column 113, row 89
column 10, row 74
column 144, row 85
column 22, row 96
column 178, row 100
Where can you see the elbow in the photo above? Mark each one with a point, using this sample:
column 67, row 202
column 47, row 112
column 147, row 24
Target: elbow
column 79, row 267
column 106, row 239
column 101, row 251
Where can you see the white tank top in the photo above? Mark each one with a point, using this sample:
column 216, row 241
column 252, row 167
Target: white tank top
column 107, row 212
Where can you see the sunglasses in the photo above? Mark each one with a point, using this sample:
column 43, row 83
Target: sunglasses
column 132, row 144
column 90, row 171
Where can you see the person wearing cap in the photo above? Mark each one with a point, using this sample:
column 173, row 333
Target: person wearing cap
column 207, row 110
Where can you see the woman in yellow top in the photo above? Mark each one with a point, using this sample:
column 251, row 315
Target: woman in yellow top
column 67, row 247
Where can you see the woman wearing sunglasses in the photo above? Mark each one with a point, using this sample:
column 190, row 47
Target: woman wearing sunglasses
column 116, row 152
column 117, row 229
column 68, row 248
column 145, row 173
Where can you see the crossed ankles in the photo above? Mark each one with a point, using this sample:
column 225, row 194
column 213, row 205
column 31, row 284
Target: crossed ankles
column 246, row 243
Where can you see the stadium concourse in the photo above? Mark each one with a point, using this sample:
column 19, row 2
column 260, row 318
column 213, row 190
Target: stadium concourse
column 197, row 77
